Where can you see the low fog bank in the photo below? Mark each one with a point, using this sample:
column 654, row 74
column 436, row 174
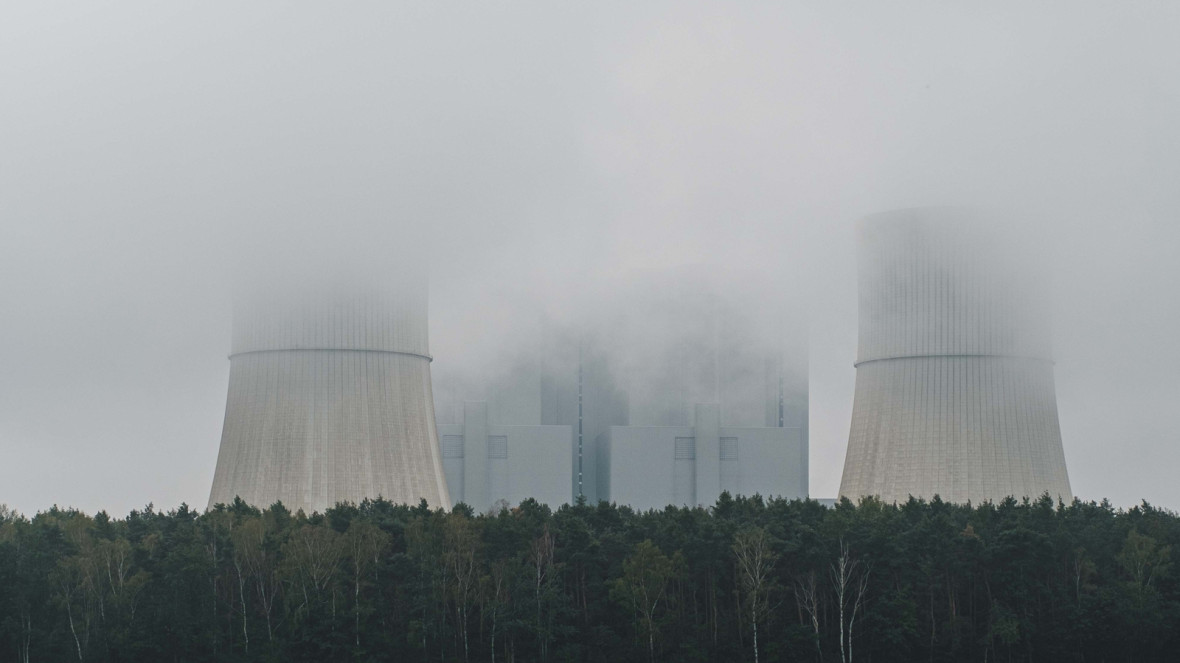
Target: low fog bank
column 556, row 166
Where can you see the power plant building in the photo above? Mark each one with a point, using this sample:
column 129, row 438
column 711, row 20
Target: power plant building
column 954, row 372
column 690, row 399
column 330, row 398
column 489, row 465
column 650, row 467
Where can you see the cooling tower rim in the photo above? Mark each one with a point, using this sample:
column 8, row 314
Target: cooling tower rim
column 978, row 355
column 417, row 355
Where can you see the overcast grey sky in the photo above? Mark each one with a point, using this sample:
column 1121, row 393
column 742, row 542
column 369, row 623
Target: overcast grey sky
column 148, row 151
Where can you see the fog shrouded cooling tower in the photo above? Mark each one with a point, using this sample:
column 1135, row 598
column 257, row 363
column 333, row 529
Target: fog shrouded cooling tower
column 330, row 398
column 954, row 375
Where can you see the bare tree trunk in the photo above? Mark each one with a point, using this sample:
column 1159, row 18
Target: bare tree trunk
column 466, row 652
column 840, row 577
column 493, row 635
column 267, row 597
column 843, row 657
column 26, row 625
column 807, row 596
column 77, row 644
column 242, row 595
column 844, row 574
column 755, row 562
column 861, row 589
column 754, row 620
column 651, row 642
column 541, row 555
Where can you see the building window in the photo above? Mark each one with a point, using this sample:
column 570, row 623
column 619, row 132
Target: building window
column 497, row 446
column 452, row 446
column 686, row 448
column 729, row 448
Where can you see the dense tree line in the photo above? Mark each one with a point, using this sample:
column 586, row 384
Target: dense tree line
column 748, row 579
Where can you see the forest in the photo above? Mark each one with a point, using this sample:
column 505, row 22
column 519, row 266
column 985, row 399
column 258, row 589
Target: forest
column 747, row 579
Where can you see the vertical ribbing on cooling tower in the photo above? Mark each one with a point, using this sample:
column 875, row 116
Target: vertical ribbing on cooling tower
column 330, row 400
column 954, row 378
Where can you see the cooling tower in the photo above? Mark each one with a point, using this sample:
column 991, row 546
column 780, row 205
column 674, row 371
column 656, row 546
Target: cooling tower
column 330, row 399
column 954, row 376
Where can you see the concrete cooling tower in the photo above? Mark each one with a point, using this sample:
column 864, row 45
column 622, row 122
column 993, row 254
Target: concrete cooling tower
column 954, row 376
column 330, row 399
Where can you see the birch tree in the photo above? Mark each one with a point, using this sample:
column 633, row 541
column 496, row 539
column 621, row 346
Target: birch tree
column 850, row 580
column 312, row 555
column 366, row 543
column 755, row 561
column 541, row 563
column 807, row 598
column 646, row 573
column 255, row 560
column 496, row 595
column 460, row 542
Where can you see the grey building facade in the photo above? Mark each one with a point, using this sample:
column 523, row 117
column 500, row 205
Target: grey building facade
column 330, row 398
column 625, row 389
column 650, row 467
column 565, row 384
column 489, row 465
column 954, row 374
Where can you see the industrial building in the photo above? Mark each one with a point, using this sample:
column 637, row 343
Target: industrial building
column 330, row 397
column 650, row 467
column 489, row 465
column 954, row 372
column 630, row 396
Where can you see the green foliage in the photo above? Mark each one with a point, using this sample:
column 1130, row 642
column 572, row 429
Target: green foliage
column 1011, row 581
column 643, row 588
